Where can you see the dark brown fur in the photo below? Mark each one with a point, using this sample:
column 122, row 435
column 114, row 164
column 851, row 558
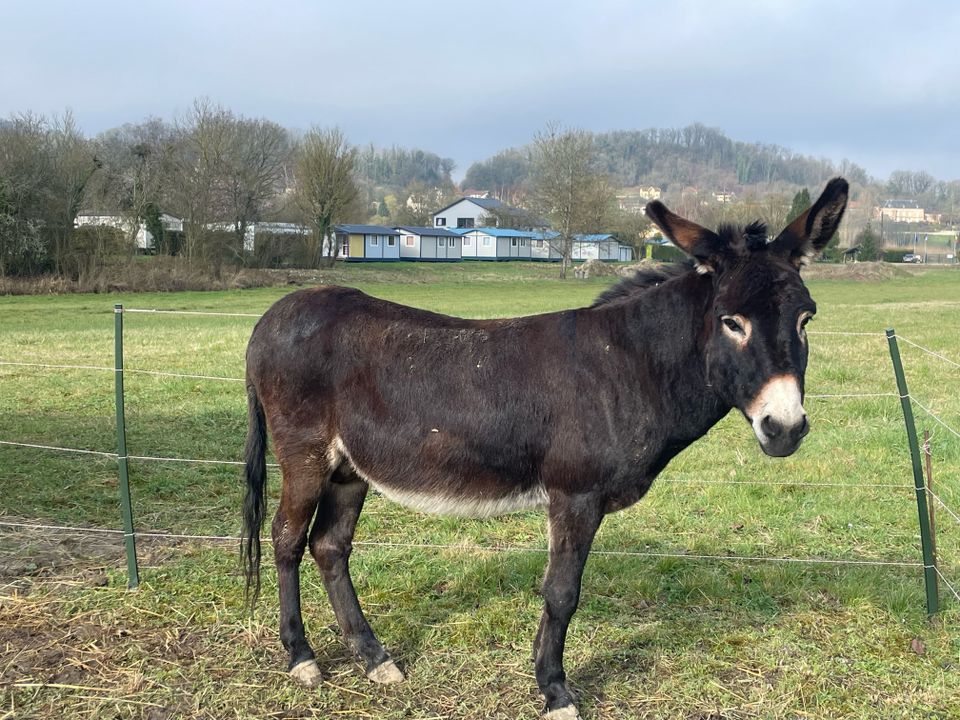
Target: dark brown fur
column 582, row 408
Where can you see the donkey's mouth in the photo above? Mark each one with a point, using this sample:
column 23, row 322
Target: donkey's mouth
column 777, row 439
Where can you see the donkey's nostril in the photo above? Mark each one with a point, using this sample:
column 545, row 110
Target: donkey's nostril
column 801, row 430
column 771, row 428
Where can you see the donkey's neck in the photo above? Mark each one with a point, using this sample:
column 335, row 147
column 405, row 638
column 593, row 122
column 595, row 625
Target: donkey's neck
column 665, row 328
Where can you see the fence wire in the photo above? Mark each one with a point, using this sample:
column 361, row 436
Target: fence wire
column 468, row 547
column 170, row 536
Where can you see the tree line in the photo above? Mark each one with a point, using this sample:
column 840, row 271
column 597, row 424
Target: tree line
column 674, row 158
column 222, row 172
column 218, row 170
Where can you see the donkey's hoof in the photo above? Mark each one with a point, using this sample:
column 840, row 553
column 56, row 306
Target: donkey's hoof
column 386, row 673
column 307, row 673
column 567, row 712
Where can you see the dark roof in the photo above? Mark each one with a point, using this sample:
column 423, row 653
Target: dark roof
column 365, row 229
column 901, row 204
column 488, row 203
column 428, row 231
column 485, row 203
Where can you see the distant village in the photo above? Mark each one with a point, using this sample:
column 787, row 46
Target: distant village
column 469, row 229
column 478, row 227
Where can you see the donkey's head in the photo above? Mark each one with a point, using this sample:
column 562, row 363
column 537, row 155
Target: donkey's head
column 755, row 342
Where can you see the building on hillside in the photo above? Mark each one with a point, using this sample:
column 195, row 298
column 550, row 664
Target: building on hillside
column 360, row 243
column 469, row 212
column 900, row 211
column 634, row 199
column 144, row 238
column 490, row 243
column 429, row 244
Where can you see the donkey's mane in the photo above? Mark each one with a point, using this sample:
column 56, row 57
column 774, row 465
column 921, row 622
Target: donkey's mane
column 642, row 280
column 751, row 238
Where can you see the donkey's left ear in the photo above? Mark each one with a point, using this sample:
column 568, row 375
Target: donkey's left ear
column 811, row 231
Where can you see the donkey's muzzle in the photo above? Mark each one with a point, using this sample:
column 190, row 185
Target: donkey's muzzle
column 780, row 440
column 777, row 416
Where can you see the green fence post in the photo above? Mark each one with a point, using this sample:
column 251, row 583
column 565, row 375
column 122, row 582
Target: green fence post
column 126, row 507
column 929, row 564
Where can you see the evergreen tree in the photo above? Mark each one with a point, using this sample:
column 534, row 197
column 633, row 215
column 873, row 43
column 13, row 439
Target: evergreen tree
column 869, row 244
column 801, row 201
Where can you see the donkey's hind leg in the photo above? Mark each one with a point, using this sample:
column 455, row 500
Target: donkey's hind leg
column 303, row 483
column 331, row 544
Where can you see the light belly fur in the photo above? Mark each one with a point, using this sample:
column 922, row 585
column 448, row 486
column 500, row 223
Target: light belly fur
column 440, row 504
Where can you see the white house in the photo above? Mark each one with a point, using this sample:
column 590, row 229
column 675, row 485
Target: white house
column 488, row 243
column 261, row 228
column 429, row 243
column 600, row 247
column 471, row 212
column 144, row 238
column 545, row 246
column 368, row 242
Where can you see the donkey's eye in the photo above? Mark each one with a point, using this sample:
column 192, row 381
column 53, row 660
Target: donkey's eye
column 804, row 319
column 732, row 324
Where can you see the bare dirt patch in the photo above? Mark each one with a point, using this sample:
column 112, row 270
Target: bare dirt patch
column 859, row 272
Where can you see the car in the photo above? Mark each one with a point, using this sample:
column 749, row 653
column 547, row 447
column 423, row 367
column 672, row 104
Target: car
column 912, row 258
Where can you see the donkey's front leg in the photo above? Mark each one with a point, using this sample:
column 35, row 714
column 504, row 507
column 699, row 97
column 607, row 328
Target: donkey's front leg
column 573, row 521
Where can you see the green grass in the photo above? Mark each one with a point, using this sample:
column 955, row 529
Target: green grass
column 656, row 636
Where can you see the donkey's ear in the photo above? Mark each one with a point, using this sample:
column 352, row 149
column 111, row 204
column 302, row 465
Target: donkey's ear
column 811, row 231
column 704, row 246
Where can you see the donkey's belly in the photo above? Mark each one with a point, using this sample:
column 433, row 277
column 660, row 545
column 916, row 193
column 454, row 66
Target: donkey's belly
column 464, row 505
column 475, row 496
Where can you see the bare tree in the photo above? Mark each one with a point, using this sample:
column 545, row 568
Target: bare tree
column 326, row 190
column 253, row 165
column 74, row 163
column 137, row 172
column 203, row 137
column 45, row 167
column 26, row 175
column 566, row 188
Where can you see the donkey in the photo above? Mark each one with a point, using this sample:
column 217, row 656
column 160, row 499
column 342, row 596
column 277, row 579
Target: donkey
column 574, row 411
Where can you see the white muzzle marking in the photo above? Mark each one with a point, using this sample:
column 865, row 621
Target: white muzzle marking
column 779, row 402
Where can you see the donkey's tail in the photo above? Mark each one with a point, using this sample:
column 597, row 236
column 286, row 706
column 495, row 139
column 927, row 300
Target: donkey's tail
column 255, row 500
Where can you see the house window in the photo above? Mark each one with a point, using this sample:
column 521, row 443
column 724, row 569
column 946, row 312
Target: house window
column 538, row 243
column 467, row 241
column 464, row 222
column 523, row 242
column 441, row 242
column 408, row 240
column 391, row 240
column 345, row 247
column 374, row 241
column 486, row 241
column 440, row 222
column 513, row 241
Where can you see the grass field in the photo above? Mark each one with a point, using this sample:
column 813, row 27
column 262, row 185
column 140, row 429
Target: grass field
column 658, row 635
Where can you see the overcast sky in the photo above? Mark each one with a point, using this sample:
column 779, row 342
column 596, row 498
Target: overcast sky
column 874, row 82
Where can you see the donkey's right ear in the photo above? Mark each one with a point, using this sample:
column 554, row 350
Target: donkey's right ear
column 704, row 246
